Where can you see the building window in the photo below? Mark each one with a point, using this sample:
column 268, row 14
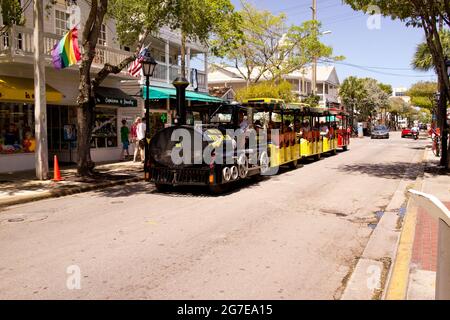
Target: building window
column 61, row 22
column 17, row 128
column 61, row 120
column 104, row 133
column 102, row 35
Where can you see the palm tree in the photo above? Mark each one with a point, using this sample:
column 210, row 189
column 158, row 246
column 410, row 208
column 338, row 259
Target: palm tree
column 423, row 60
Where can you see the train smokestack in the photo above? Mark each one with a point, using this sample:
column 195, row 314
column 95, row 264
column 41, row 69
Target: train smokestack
column 181, row 84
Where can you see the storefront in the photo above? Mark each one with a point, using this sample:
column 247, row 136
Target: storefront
column 17, row 137
column 17, row 125
column 112, row 106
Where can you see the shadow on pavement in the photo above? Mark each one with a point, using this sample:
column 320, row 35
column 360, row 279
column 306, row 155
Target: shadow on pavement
column 395, row 170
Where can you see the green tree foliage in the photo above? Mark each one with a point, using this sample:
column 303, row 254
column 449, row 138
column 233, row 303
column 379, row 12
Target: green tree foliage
column 211, row 22
column 423, row 60
column 423, row 94
column 364, row 96
column 11, row 12
column 352, row 93
column 375, row 99
column 386, row 88
column 267, row 89
column 312, row 100
column 270, row 48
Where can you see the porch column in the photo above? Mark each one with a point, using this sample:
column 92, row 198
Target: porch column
column 323, row 94
column 167, row 60
column 40, row 99
column 206, row 69
column 188, row 64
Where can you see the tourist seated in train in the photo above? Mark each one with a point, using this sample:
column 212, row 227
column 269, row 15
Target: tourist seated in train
column 297, row 126
column 243, row 123
column 323, row 129
column 287, row 126
column 257, row 125
column 305, row 128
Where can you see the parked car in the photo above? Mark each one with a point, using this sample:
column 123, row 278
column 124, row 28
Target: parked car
column 406, row 132
column 423, row 126
column 380, row 132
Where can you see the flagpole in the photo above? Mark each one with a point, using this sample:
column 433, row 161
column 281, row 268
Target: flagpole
column 40, row 100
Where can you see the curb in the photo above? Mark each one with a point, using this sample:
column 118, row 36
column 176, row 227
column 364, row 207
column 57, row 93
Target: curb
column 373, row 272
column 65, row 192
column 397, row 288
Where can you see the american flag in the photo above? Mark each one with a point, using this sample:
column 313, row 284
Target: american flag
column 135, row 67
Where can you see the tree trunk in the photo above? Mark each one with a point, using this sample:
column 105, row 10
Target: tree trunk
column 442, row 121
column 85, row 110
column 85, row 117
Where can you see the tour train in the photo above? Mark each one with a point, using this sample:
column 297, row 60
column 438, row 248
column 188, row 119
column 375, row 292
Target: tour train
column 220, row 144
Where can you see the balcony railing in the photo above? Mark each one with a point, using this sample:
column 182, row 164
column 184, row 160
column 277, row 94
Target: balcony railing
column 17, row 41
column 161, row 69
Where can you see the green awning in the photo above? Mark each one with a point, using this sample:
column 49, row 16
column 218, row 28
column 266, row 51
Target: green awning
column 157, row 93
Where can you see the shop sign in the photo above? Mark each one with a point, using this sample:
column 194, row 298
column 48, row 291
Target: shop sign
column 117, row 101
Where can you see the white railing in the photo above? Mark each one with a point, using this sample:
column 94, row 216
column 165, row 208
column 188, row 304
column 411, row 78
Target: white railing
column 18, row 41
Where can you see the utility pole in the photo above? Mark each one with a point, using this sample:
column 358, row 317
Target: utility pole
column 314, row 67
column 40, row 107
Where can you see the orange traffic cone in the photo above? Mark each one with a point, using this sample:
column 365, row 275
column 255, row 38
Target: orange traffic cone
column 56, row 172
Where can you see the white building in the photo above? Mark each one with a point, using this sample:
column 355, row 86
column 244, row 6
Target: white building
column 166, row 48
column 114, row 99
column 401, row 93
column 327, row 81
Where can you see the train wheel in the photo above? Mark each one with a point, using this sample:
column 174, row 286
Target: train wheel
column 264, row 162
column 345, row 148
column 317, row 156
column 242, row 166
column 163, row 187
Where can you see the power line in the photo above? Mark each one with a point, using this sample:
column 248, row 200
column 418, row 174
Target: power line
column 370, row 69
column 299, row 6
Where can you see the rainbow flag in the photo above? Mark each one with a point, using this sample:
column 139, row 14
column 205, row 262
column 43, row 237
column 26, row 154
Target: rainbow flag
column 66, row 52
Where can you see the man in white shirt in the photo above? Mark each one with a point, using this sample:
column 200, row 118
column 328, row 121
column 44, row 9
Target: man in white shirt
column 140, row 133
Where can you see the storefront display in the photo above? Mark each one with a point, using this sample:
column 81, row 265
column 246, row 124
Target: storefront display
column 17, row 128
column 104, row 133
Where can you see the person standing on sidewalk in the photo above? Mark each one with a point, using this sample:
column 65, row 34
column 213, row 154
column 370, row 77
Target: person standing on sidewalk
column 140, row 132
column 134, row 139
column 124, row 138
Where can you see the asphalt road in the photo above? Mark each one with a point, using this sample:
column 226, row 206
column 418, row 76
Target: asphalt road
column 292, row 236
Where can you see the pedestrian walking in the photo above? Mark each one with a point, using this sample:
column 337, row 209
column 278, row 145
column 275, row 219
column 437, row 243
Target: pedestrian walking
column 124, row 138
column 140, row 133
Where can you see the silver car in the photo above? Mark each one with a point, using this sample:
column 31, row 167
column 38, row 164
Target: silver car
column 380, row 132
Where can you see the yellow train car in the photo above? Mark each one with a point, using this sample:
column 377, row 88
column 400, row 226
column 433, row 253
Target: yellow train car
column 295, row 131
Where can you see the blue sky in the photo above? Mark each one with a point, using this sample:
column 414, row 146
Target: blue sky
column 391, row 46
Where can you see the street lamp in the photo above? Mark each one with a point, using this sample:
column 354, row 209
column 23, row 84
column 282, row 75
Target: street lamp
column 148, row 67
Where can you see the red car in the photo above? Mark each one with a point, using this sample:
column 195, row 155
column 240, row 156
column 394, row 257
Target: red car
column 406, row 132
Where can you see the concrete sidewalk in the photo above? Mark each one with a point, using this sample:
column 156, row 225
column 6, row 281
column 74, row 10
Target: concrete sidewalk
column 23, row 187
column 414, row 271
